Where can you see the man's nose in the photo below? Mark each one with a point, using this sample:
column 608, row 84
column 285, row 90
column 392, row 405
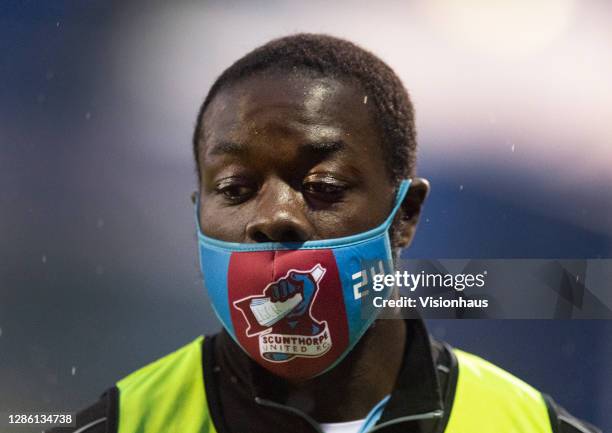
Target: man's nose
column 279, row 217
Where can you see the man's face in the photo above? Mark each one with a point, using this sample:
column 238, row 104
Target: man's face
column 291, row 158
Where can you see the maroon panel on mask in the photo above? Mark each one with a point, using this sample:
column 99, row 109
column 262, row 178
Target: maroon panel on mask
column 287, row 309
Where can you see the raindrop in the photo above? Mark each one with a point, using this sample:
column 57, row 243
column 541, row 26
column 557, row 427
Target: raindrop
column 44, row 259
column 0, row 332
column 365, row 99
column 73, row 370
column 512, row 148
column 88, row 115
column 460, row 187
column 57, row 24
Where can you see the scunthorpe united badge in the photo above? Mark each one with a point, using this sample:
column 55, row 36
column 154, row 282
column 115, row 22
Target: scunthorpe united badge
column 281, row 317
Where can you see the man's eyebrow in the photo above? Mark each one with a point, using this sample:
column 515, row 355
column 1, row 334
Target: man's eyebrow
column 223, row 147
column 324, row 147
column 321, row 147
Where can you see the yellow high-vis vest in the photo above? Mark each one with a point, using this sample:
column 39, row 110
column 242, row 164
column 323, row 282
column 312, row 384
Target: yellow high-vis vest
column 168, row 396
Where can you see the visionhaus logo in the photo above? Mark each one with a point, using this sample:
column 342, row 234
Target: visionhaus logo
column 281, row 317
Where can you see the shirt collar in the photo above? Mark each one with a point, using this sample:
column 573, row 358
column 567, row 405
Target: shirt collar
column 417, row 389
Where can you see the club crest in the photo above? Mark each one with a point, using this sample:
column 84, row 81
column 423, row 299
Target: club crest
column 281, row 317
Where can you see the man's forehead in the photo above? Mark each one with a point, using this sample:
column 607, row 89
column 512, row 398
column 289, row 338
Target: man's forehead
column 302, row 98
column 282, row 86
column 319, row 110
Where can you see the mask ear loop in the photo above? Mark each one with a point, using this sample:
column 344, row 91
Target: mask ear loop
column 196, row 203
column 399, row 199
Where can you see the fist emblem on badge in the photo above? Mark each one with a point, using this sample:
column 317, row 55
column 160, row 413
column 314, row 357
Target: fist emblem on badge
column 290, row 298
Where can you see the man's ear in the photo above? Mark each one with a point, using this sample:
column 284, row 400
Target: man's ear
column 194, row 196
column 410, row 212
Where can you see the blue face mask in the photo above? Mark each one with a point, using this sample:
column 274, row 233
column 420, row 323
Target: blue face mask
column 297, row 309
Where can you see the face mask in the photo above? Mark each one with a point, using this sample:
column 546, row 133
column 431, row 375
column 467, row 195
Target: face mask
column 296, row 308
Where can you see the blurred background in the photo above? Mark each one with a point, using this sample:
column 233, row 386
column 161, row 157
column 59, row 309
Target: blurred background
column 98, row 265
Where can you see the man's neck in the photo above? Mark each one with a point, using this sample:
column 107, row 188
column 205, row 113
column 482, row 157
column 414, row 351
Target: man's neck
column 367, row 374
column 351, row 389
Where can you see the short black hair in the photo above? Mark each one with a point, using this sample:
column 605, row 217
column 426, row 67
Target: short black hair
column 334, row 57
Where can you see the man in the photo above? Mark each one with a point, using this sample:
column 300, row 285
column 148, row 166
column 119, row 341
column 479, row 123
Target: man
column 305, row 150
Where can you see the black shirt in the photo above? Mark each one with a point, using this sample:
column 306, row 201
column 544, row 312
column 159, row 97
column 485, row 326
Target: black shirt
column 243, row 400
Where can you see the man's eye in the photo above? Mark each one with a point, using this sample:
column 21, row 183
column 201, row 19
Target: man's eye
column 234, row 192
column 325, row 190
